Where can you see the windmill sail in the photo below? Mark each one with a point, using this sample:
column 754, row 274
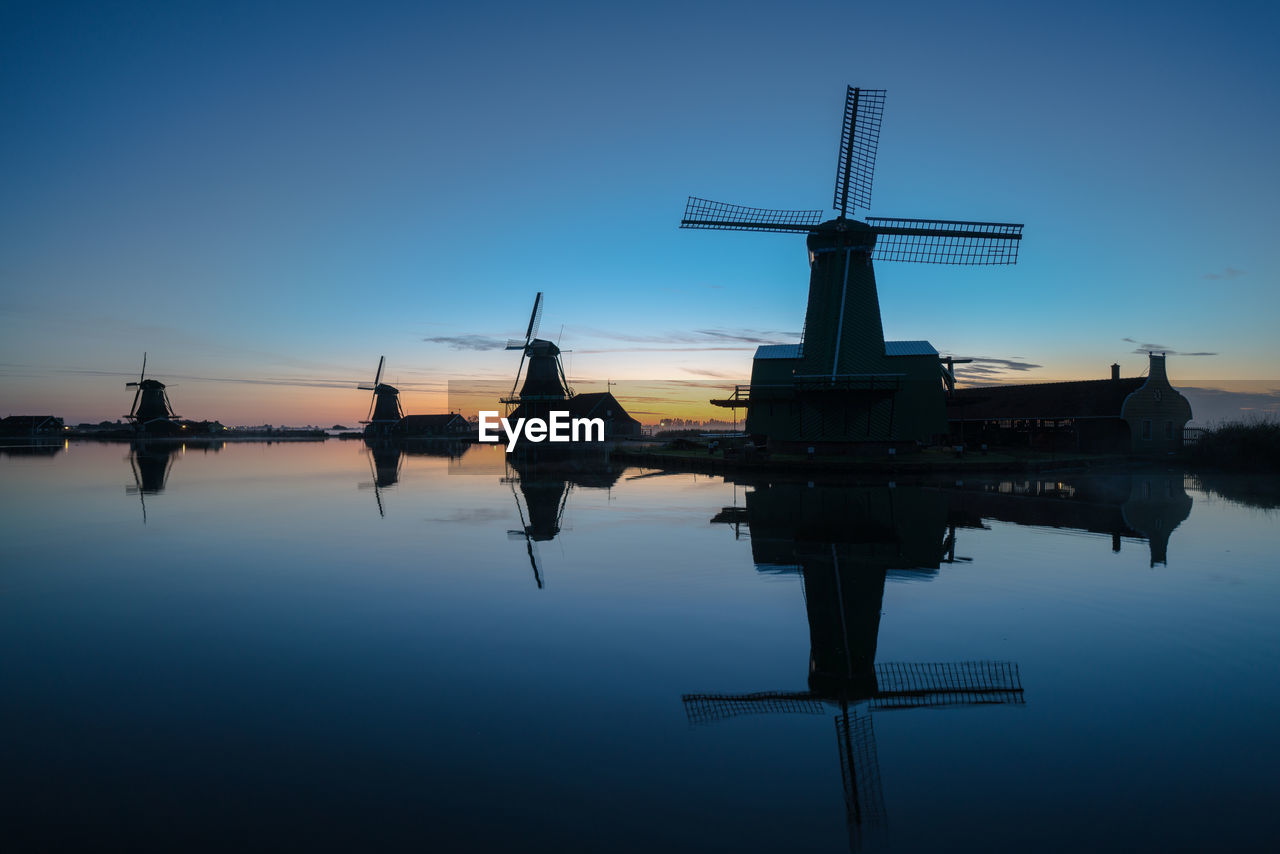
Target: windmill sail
column 944, row 241
column 704, row 213
column 859, row 141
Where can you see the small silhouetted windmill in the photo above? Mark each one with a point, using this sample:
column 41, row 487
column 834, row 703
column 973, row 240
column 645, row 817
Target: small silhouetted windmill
column 544, row 381
column 843, row 335
column 151, row 405
column 384, row 406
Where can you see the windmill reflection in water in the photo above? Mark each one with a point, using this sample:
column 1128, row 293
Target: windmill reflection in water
column 844, row 542
column 545, row 478
column 150, row 461
column 386, row 459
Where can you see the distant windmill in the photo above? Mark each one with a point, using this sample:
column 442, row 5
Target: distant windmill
column 151, row 411
column 384, row 406
column 545, row 380
column 846, row 383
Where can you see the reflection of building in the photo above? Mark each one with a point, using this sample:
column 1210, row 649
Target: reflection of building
column 1131, row 415
column 1142, row 505
column 843, row 542
column 545, row 483
column 34, row 448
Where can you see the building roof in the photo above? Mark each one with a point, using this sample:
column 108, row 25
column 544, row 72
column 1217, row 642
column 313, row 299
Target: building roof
column 595, row 404
column 421, row 421
column 28, row 421
column 1083, row 399
column 909, row 348
column 778, row 351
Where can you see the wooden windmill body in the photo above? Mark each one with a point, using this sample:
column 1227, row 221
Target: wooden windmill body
column 151, row 413
column 384, row 407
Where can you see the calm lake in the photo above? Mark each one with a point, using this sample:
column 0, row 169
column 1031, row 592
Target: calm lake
column 319, row 645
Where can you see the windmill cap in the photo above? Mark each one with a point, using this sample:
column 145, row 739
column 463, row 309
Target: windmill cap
column 839, row 233
column 543, row 347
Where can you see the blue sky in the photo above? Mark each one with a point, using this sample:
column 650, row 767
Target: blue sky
column 283, row 192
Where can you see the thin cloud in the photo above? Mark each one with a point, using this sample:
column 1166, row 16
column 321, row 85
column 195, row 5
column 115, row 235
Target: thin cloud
column 662, row 349
column 693, row 336
column 468, row 342
column 1145, row 347
column 292, row 382
column 990, row 363
column 1227, row 273
column 721, row 375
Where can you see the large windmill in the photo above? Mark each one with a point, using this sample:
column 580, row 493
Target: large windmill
column 384, row 406
column 544, row 380
column 151, row 411
column 843, row 382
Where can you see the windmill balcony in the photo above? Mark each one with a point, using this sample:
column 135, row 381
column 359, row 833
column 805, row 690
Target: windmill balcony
column 739, row 399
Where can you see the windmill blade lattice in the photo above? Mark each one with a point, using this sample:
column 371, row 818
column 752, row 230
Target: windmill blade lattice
column 709, row 708
column 704, row 213
column 530, row 332
column 944, row 241
column 535, row 319
column 971, row 683
column 859, row 141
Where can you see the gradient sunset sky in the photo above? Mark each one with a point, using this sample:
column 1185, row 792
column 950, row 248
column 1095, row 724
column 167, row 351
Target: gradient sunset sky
column 266, row 197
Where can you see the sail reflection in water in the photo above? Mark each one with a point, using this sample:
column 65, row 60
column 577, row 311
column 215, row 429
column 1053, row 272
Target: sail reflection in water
column 844, row 542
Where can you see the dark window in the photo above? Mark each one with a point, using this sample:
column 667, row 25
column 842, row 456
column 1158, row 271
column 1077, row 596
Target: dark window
column 1146, row 429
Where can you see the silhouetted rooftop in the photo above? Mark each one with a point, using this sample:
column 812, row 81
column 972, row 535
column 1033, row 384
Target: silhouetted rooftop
column 1082, row 399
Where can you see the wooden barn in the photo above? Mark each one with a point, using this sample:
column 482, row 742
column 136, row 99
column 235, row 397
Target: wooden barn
column 602, row 404
column 1139, row 415
column 597, row 404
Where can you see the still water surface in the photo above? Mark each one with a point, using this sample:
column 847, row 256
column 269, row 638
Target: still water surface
column 316, row 645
